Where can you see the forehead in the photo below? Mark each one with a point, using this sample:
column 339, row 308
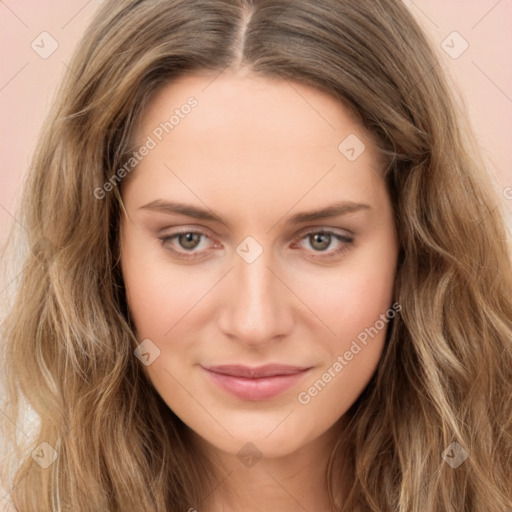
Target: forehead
column 253, row 135
column 250, row 108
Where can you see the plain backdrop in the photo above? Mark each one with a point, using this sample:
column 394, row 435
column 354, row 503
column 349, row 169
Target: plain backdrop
column 30, row 71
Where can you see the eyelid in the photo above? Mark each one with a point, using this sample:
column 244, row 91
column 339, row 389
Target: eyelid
column 321, row 229
column 187, row 229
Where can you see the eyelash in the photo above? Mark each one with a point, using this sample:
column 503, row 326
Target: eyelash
column 346, row 240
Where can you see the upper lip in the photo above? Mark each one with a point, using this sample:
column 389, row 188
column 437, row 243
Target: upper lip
column 255, row 372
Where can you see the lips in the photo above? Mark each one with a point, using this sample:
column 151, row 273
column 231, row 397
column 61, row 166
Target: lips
column 256, row 383
column 269, row 370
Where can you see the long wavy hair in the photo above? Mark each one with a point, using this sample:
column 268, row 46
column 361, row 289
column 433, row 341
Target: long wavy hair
column 67, row 339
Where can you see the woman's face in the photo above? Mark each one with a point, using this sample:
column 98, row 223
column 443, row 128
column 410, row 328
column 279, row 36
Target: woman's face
column 258, row 232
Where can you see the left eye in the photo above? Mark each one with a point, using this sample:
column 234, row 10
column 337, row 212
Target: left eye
column 322, row 240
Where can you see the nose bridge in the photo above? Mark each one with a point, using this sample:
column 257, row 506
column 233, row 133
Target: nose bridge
column 256, row 309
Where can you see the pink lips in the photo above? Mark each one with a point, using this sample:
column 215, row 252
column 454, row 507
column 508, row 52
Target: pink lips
column 256, row 383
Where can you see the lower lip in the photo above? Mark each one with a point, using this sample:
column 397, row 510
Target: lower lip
column 263, row 388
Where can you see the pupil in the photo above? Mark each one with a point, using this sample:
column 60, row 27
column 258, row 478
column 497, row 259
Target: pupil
column 323, row 241
column 189, row 240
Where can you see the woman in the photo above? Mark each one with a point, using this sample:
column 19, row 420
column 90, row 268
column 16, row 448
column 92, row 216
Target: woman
column 266, row 271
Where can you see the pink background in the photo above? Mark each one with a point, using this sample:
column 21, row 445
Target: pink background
column 482, row 73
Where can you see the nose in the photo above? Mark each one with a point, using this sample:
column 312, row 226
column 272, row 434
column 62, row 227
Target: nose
column 257, row 307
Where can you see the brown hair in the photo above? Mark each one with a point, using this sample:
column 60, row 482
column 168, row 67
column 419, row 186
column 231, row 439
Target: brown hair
column 446, row 372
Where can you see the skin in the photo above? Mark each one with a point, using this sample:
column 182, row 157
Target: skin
column 257, row 151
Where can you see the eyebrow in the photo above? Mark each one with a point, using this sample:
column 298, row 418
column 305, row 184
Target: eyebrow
column 175, row 208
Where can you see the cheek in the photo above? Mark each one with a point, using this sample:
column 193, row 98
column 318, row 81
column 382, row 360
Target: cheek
column 159, row 294
column 355, row 304
column 351, row 298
